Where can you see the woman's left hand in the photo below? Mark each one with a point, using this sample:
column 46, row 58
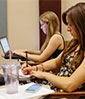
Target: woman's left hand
column 38, row 74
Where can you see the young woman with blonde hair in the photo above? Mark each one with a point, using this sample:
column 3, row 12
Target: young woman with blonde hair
column 54, row 43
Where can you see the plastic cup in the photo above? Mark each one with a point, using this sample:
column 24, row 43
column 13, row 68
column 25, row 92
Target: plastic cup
column 11, row 75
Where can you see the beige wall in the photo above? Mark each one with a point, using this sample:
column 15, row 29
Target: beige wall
column 23, row 16
column 65, row 5
column 22, row 24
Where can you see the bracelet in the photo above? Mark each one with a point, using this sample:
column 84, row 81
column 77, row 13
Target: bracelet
column 43, row 69
column 36, row 68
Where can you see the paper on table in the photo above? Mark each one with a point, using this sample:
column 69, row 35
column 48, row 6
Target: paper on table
column 22, row 75
column 22, row 94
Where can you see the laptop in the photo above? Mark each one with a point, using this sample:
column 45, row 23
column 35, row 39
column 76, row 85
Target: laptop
column 6, row 48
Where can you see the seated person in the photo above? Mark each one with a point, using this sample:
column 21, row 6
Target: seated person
column 72, row 60
column 54, row 43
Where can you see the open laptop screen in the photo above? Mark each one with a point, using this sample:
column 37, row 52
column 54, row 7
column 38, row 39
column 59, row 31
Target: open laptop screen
column 5, row 45
column 6, row 48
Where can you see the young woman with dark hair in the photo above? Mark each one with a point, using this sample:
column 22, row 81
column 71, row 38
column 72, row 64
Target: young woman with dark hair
column 71, row 61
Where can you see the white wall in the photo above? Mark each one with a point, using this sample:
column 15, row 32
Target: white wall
column 65, row 5
column 22, row 24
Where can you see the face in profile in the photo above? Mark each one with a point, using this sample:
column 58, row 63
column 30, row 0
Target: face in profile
column 44, row 26
column 70, row 28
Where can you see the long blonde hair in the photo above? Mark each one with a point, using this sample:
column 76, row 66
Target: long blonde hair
column 53, row 26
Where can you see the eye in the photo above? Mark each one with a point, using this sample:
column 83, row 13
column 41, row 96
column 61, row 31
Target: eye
column 70, row 24
column 42, row 24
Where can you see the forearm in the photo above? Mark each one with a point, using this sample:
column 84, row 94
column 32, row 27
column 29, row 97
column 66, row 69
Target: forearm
column 34, row 52
column 35, row 58
column 51, row 64
column 60, row 82
column 68, row 84
column 48, row 65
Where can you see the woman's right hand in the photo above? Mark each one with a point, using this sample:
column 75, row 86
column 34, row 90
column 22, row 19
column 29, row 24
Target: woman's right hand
column 19, row 51
column 26, row 69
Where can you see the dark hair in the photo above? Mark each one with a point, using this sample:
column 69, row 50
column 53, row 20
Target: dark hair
column 76, row 14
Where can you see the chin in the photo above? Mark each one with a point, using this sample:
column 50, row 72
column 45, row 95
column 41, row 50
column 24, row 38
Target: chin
column 44, row 33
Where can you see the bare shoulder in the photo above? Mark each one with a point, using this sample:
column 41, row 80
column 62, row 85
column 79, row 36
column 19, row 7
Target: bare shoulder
column 56, row 37
column 58, row 41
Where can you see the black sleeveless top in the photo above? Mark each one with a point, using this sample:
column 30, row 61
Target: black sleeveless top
column 57, row 52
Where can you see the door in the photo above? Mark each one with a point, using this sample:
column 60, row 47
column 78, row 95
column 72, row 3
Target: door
column 49, row 5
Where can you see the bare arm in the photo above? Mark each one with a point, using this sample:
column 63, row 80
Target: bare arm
column 48, row 65
column 37, row 52
column 56, row 42
column 51, row 64
column 22, row 51
column 67, row 83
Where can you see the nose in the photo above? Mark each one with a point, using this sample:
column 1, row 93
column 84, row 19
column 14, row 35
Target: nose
column 68, row 28
column 41, row 27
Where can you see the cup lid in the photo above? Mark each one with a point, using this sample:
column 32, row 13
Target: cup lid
column 11, row 64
